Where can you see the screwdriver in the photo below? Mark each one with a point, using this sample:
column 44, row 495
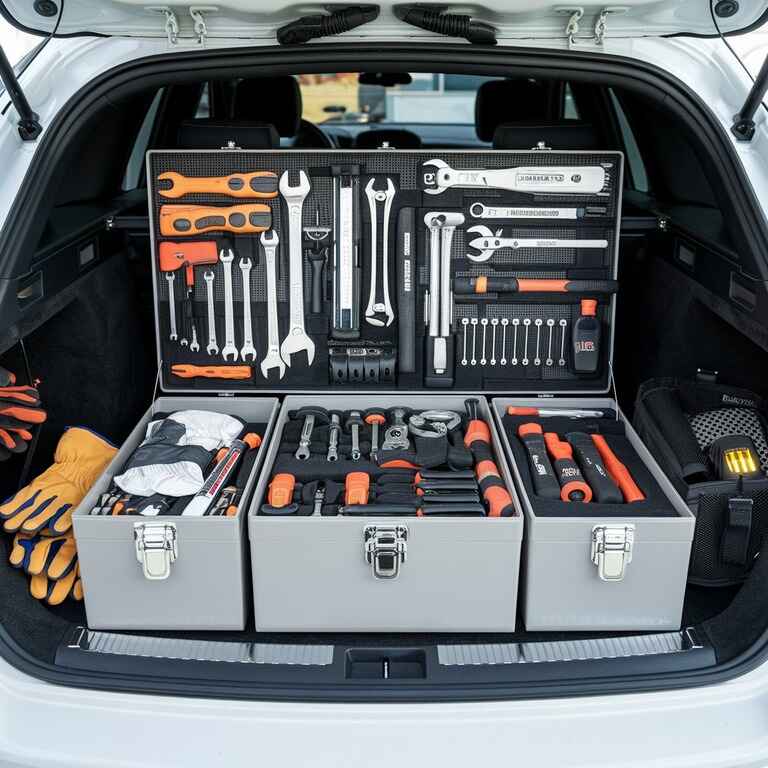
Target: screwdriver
column 545, row 483
column 595, row 473
column 484, row 284
column 572, row 485
column 566, row 413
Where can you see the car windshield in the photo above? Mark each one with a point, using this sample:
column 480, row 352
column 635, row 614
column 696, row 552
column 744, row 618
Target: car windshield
column 427, row 98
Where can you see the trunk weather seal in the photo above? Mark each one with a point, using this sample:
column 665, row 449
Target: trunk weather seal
column 633, row 74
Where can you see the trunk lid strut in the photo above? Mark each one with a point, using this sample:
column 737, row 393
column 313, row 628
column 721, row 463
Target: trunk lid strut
column 28, row 124
column 743, row 127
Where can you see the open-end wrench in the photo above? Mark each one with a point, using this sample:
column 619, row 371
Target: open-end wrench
column 212, row 348
column 297, row 339
column 378, row 298
column 551, row 326
column 269, row 242
column 538, row 323
column 526, row 325
column 247, row 349
column 586, row 180
column 226, row 257
column 488, row 242
column 464, row 323
column 504, row 324
column 473, row 361
column 170, row 277
column 494, row 325
column 194, row 345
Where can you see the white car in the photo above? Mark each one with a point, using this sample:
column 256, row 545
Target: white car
column 111, row 79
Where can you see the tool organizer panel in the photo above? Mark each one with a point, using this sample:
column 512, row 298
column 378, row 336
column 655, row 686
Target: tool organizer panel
column 392, row 270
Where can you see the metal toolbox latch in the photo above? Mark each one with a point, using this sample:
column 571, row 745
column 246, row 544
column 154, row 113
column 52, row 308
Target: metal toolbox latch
column 156, row 548
column 385, row 549
column 611, row 550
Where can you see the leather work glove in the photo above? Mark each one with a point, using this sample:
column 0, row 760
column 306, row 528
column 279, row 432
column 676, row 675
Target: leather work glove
column 51, row 561
column 45, row 505
column 19, row 410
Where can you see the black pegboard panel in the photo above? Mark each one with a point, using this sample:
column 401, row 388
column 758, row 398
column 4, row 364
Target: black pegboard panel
column 405, row 168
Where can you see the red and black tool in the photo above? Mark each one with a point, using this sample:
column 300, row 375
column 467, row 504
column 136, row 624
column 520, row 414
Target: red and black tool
column 618, row 471
column 465, row 286
column 545, row 483
column 478, row 439
column 605, row 491
column 572, row 484
column 586, row 338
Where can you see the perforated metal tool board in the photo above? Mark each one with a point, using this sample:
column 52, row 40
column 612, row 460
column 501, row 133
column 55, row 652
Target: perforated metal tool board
column 510, row 364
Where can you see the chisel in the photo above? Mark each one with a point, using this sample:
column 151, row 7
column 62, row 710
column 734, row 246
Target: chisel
column 405, row 256
column 187, row 220
column 260, row 184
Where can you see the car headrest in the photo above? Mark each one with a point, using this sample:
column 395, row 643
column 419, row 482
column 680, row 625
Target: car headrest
column 510, row 101
column 275, row 100
column 397, row 138
column 569, row 134
column 215, row 134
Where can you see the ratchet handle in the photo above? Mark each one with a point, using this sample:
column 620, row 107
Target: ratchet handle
column 188, row 220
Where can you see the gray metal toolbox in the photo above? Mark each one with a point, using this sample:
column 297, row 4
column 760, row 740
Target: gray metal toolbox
column 206, row 586
column 599, row 566
column 314, row 573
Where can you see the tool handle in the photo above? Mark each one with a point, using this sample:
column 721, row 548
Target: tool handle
column 618, row 471
column 376, row 510
column 407, row 278
column 488, row 284
column 189, row 220
column 317, row 262
column 259, row 184
column 189, row 371
column 572, row 484
column 545, row 482
column 280, row 492
column 604, row 489
column 356, row 488
column 452, row 510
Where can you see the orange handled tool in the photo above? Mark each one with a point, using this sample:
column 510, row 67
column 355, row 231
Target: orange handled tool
column 173, row 256
column 618, row 472
column 478, row 439
column 491, row 284
column 356, row 488
column 189, row 371
column 572, row 484
column 280, row 492
column 261, row 184
column 250, row 218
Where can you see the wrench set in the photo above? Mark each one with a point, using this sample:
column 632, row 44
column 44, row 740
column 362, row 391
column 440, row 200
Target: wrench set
column 393, row 270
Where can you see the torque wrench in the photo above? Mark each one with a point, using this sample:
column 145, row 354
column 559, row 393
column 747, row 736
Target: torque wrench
column 212, row 348
column 551, row 327
column 378, row 297
column 437, row 176
column 565, row 413
column 494, row 324
column 170, row 277
column 186, row 220
column 297, row 340
column 527, row 325
column 346, row 264
column 563, row 324
column 484, row 324
column 481, row 284
column 269, row 242
column 487, row 243
column 473, row 321
column 226, row 257
column 406, row 289
column 464, row 324
column 515, row 325
column 333, row 438
column 480, row 211
column 538, row 323
column 247, row 349
column 261, row 184
column 504, row 324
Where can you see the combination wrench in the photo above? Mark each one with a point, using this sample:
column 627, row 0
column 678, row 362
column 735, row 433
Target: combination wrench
column 297, row 339
column 247, row 349
column 488, row 242
column 226, row 257
column 170, row 277
column 269, row 242
column 378, row 299
column 480, row 211
column 212, row 348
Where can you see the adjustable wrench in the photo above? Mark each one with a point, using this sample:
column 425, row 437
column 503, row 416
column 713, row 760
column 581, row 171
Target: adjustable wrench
column 487, row 243
column 588, row 180
column 269, row 242
column 170, row 277
column 297, row 339
column 213, row 347
column 383, row 306
column 248, row 348
column 226, row 257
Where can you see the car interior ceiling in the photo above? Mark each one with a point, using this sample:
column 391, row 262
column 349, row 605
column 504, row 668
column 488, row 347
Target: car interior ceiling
column 82, row 342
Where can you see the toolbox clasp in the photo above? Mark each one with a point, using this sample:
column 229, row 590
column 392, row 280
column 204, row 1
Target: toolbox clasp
column 611, row 550
column 385, row 549
column 156, row 548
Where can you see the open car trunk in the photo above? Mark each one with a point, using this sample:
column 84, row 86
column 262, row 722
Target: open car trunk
column 691, row 299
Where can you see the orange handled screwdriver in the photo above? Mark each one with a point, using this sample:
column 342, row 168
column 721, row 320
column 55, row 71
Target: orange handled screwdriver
column 618, row 472
column 489, row 284
column 261, row 184
column 182, row 220
column 572, row 484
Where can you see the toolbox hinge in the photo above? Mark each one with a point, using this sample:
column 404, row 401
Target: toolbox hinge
column 385, row 549
column 611, row 550
column 156, row 548
column 575, row 15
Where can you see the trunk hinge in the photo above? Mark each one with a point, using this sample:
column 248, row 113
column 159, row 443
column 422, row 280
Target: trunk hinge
column 172, row 26
column 29, row 123
column 743, row 127
column 171, row 22
column 575, row 15
column 198, row 18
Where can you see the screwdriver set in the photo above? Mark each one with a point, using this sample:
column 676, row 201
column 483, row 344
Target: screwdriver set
column 404, row 270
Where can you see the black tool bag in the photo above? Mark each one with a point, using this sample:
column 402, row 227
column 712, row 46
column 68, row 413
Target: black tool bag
column 678, row 420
